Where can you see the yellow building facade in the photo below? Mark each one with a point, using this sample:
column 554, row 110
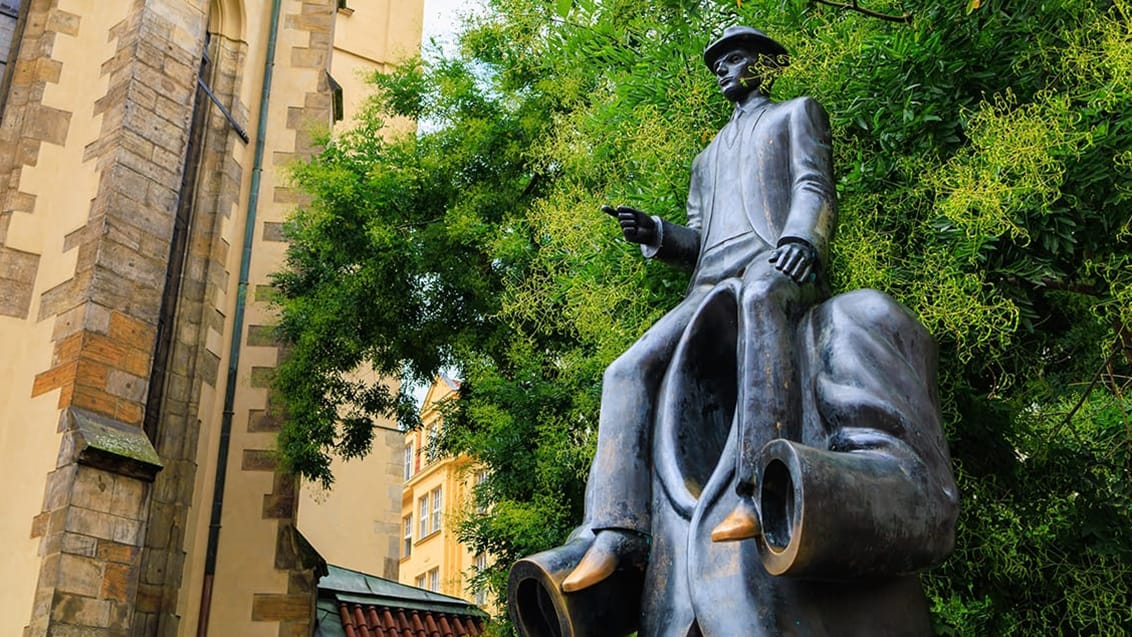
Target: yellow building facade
column 144, row 147
column 437, row 492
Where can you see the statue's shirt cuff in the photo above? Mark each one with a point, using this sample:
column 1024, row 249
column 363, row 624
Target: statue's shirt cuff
column 650, row 250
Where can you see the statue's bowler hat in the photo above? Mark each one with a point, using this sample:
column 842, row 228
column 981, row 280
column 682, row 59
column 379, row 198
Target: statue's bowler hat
column 746, row 37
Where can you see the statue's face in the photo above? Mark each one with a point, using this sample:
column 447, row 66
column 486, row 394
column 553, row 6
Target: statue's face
column 738, row 73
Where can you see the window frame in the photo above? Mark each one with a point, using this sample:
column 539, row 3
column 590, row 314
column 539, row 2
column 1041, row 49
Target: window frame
column 479, row 593
column 407, row 536
column 423, row 515
column 437, row 496
column 410, row 465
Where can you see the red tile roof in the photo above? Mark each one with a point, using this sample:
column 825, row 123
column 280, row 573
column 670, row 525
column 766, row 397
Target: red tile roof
column 354, row 604
column 368, row 620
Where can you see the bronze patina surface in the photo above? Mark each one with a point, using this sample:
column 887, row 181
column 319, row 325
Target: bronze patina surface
column 770, row 460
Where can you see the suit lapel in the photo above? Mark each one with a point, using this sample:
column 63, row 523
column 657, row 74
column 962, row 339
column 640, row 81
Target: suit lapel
column 749, row 178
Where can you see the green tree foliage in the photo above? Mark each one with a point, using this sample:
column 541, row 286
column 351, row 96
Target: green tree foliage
column 984, row 160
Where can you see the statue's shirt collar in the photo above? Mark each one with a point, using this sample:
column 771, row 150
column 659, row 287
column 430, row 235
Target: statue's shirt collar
column 755, row 104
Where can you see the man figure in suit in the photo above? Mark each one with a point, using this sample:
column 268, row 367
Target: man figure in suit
column 761, row 208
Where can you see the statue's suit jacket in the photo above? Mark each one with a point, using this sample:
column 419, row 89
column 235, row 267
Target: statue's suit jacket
column 785, row 187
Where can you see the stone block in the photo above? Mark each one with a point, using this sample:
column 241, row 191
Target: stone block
column 81, row 611
column 121, row 614
column 131, row 330
column 161, row 196
column 39, row 525
column 127, row 531
column 95, row 400
column 130, row 412
column 277, row 507
column 284, row 158
column 109, row 551
column 126, row 266
column 302, row 58
column 144, row 165
column 97, row 524
column 103, row 349
column 41, row 604
column 18, row 201
column 97, row 319
column 124, row 385
column 184, row 73
column 260, row 421
column 17, row 281
column 148, row 600
column 51, row 543
column 262, row 336
column 210, row 368
column 68, row 323
column 116, row 285
column 27, row 151
column 136, row 362
column 128, row 498
column 177, row 388
column 92, row 374
column 79, row 575
column 67, row 350
column 63, row 22
column 83, row 545
column 136, row 144
column 265, row 293
column 261, row 377
column 273, row 231
column 116, row 580
column 70, row 630
column 258, row 460
column 268, row 607
column 47, row 124
column 54, row 378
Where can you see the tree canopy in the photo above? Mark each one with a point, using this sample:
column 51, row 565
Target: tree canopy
column 983, row 152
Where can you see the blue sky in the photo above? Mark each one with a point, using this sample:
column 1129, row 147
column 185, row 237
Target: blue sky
column 442, row 16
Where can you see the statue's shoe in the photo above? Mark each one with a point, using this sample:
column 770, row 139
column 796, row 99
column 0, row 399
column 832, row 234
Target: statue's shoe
column 610, row 547
column 741, row 524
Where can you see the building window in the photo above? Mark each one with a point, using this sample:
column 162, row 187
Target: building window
column 478, row 494
column 421, row 580
column 338, row 109
column 480, row 591
column 422, row 516
column 407, row 543
column 428, row 511
column 434, row 580
column 408, row 473
column 436, row 497
column 430, row 442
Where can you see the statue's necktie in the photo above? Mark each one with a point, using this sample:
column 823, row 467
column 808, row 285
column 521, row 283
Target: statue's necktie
column 731, row 131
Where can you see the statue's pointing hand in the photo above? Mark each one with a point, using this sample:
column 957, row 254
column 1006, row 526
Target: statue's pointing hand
column 636, row 226
column 796, row 260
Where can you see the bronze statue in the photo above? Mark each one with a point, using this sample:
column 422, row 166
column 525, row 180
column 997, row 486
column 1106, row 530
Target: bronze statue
column 764, row 465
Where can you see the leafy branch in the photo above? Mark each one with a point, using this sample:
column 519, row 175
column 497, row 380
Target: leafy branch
column 855, row 6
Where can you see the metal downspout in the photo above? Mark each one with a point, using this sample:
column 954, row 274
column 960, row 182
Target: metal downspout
column 237, row 331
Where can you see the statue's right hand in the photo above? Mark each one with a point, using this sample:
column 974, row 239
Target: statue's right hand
column 636, row 226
